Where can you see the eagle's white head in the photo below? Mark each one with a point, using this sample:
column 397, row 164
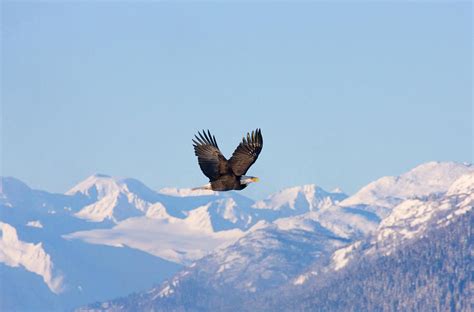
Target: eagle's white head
column 248, row 179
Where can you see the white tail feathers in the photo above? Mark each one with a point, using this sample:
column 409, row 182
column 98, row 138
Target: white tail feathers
column 206, row 187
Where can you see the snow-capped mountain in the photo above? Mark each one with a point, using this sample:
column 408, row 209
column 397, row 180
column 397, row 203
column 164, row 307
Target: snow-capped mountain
column 198, row 229
column 20, row 205
column 46, row 272
column 409, row 221
column 268, row 255
column 103, row 218
column 262, row 259
column 115, row 199
column 265, row 256
column 322, row 239
column 223, row 214
column 419, row 258
column 79, row 247
column 298, row 200
column 412, row 218
column 385, row 193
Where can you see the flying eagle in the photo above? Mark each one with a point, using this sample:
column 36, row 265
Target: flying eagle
column 223, row 174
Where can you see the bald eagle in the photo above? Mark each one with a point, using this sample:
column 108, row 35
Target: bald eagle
column 223, row 174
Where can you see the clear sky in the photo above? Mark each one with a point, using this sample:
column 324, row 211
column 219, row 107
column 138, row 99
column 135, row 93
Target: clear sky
column 344, row 92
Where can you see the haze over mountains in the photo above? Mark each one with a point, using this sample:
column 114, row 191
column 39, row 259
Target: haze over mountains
column 177, row 249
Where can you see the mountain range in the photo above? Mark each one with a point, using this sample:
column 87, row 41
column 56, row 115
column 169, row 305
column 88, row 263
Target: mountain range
column 181, row 250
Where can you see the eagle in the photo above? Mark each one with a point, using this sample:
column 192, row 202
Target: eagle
column 223, row 174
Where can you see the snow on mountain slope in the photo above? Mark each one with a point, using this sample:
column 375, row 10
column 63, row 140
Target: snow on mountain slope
column 164, row 236
column 339, row 221
column 227, row 210
column 269, row 254
column 262, row 259
column 432, row 272
column 234, row 241
column 117, row 199
column 197, row 231
column 54, row 213
column 32, row 222
column 385, row 193
column 300, row 230
column 408, row 222
column 15, row 253
column 177, row 228
column 463, row 185
column 411, row 219
column 222, row 214
column 299, row 199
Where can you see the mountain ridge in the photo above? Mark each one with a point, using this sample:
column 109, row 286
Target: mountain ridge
column 223, row 236
column 259, row 261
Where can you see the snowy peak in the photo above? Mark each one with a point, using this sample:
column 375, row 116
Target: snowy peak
column 113, row 198
column 96, row 187
column 99, row 186
column 300, row 199
column 387, row 192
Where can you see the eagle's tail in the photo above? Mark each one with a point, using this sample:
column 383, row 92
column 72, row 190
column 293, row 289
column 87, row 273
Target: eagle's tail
column 204, row 187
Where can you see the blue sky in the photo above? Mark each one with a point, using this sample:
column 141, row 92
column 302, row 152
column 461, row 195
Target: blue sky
column 344, row 92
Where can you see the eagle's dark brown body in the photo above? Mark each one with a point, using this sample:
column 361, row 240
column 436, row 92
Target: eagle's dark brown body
column 227, row 183
column 223, row 174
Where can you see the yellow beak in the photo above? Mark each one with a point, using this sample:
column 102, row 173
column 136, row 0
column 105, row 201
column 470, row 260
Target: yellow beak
column 255, row 179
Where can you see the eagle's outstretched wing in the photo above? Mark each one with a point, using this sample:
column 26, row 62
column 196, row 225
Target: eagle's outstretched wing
column 213, row 164
column 246, row 153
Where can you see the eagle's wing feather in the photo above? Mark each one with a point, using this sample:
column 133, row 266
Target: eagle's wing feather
column 213, row 164
column 246, row 153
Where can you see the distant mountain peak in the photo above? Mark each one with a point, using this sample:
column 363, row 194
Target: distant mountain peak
column 113, row 198
column 306, row 198
column 12, row 185
column 235, row 241
column 96, row 185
